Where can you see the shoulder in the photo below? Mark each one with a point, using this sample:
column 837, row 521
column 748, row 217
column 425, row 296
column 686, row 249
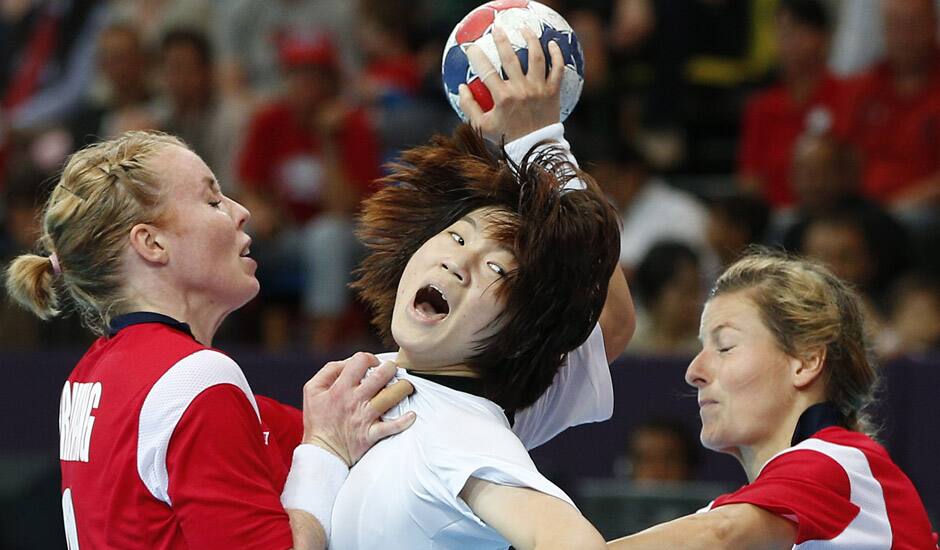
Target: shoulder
column 170, row 398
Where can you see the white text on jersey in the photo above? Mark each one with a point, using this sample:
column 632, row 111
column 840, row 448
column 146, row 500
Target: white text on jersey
column 75, row 419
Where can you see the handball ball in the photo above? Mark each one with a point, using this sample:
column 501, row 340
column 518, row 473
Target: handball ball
column 511, row 16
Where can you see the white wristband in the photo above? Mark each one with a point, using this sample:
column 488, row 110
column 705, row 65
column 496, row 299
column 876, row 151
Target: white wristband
column 554, row 133
column 315, row 478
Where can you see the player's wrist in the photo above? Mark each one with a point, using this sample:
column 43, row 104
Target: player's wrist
column 329, row 446
column 313, row 482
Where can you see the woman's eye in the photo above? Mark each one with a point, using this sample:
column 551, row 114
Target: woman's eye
column 725, row 349
column 498, row 269
column 215, row 204
column 457, row 238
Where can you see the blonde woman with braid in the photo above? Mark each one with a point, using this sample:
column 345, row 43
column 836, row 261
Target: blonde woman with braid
column 163, row 445
column 783, row 380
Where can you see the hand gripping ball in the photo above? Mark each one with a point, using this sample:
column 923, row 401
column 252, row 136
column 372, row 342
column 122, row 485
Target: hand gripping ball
column 511, row 16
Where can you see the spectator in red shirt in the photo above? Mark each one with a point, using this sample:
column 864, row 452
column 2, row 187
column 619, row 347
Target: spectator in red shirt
column 805, row 99
column 894, row 116
column 308, row 160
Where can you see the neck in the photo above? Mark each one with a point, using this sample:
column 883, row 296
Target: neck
column 459, row 369
column 754, row 457
column 203, row 316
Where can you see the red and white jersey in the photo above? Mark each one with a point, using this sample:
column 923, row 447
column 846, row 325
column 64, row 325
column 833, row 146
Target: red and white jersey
column 163, row 445
column 843, row 491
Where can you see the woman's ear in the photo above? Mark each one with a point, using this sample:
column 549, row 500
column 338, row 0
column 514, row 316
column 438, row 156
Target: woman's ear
column 145, row 241
column 808, row 367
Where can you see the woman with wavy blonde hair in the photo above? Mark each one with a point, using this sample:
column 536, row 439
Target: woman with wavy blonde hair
column 783, row 379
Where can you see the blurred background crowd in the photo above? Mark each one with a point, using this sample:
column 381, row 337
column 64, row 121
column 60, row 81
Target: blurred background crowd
column 712, row 124
column 812, row 125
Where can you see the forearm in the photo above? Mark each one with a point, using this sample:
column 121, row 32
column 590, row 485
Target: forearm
column 306, row 531
column 732, row 527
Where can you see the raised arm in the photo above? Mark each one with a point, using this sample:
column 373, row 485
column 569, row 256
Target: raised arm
column 526, row 111
column 731, row 527
column 528, row 519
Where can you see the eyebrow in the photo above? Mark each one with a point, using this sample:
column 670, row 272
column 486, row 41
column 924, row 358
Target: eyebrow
column 469, row 220
column 715, row 330
column 212, row 184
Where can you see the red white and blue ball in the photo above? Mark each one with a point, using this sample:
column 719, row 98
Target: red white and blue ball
column 511, row 16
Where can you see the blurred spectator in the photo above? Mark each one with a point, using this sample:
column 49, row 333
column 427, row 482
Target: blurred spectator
column 19, row 329
column 894, row 112
column 805, row 100
column 47, row 50
column 669, row 287
column 391, row 83
column 914, row 321
column 824, row 172
column 155, row 18
column 307, row 161
column 649, row 208
column 248, row 35
column 192, row 109
column 123, row 101
column 734, row 222
column 661, row 451
column 862, row 246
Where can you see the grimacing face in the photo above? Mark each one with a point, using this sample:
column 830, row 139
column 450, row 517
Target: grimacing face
column 447, row 296
column 742, row 376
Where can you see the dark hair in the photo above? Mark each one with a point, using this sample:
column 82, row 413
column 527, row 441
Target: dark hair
column 658, row 267
column 183, row 36
column 679, row 431
column 745, row 211
column 566, row 245
column 807, row 12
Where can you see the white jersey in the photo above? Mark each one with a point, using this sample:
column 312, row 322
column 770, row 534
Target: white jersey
column 404, row 493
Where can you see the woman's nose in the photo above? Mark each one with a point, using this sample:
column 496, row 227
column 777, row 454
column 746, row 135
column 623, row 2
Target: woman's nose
column 696, row 373
column 456, row 269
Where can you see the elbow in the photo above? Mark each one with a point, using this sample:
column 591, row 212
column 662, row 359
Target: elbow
column 586, row 539
column 618, row 325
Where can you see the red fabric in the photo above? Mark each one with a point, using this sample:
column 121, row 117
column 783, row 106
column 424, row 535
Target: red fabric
column 802, row 486
column 398, row 73
column 898, row 138
column 813, row 490
column 286, row 424
column 224, row 482
column 771, row 125
column 282, row 156
column 41, row 45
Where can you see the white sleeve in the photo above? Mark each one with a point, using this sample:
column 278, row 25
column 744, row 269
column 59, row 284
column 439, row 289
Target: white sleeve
column 582, row 392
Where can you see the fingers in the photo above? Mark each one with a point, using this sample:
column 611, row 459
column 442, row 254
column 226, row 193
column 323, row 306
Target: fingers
column 355, row 368
column 381, row 430
column 480, row 64
column 391, row 396
column 507, row 57
column 326, row 376
column 536, row 71
column 375, row 381
column 469, row 105
column 558, row 66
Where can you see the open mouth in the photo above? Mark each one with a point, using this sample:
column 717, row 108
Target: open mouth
column 431, row 302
